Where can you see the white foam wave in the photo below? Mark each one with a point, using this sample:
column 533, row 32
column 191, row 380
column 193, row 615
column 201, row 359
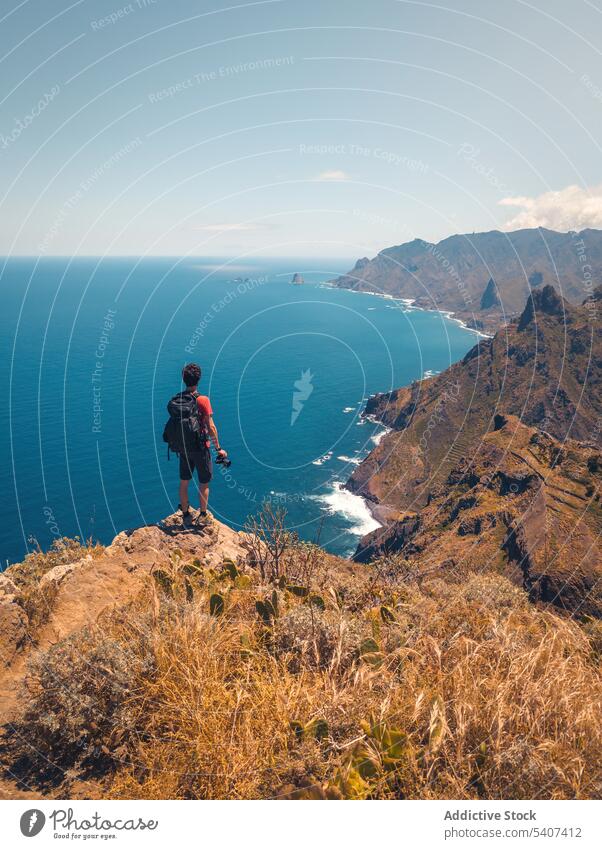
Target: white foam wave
column 409, row 306
column 353, row 460
column 351, row 507
column 377, row 437
column 348, row 409
column 406, row 301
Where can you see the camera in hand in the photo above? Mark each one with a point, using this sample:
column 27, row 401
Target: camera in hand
column 222, row 460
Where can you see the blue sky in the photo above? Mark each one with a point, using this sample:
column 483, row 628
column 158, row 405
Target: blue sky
column 288, row 128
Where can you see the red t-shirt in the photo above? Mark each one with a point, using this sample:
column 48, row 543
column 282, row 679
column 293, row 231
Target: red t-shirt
column 205, row 412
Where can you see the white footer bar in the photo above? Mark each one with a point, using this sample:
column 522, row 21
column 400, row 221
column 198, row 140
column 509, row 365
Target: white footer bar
column 301, row 825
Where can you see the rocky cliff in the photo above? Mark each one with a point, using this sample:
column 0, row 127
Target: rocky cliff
column 545, row 368
column 490, row 297
column 543, row 375
column 42, row 604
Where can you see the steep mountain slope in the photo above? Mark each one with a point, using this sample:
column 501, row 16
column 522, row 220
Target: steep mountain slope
column 456, row 483
column 526, row 506
column 546, row 369
column 484, row 277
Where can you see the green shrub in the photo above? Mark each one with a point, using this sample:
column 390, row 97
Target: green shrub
column 79, row 692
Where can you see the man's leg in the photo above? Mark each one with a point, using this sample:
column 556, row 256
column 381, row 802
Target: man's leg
column 204, row 496
column 184, row 495
column 185, row 478
column 204, row 470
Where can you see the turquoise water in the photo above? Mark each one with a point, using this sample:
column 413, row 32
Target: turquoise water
column 91, row 352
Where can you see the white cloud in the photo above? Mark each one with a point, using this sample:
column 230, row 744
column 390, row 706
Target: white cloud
column 573, row 208
column 333, row 176
column 226, row 228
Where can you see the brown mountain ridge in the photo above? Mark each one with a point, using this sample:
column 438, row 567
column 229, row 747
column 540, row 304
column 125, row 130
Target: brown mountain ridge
column 525, row 407
column 484, row 278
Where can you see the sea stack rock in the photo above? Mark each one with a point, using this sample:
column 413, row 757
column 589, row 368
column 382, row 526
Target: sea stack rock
column 297, row 279
column 490, row 297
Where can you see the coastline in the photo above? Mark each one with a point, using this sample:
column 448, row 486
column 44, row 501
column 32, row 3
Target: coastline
column 382, row 513
column 409, row 304
column 366, row 515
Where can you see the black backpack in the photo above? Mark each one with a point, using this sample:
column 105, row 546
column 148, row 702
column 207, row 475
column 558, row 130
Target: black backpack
column 184, row 430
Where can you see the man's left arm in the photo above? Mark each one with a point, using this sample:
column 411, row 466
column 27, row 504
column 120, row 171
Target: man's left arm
column 214, row 436
column 206, row 412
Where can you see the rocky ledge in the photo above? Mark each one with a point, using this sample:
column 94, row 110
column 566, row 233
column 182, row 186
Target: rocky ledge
column 45, row 608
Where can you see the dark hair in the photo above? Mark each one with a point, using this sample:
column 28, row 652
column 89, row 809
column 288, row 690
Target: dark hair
column 191, row 374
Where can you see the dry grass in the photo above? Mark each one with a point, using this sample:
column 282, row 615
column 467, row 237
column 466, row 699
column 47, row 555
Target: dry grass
column 444, row 690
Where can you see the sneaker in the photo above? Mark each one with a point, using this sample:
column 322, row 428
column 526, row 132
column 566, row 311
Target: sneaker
column 187, row 515
column 204, row 518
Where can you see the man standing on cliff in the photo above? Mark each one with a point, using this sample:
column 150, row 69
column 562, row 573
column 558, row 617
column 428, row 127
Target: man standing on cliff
column 188, row 432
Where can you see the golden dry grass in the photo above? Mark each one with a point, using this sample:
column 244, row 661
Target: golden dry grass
column 519, row 691
column 463, row 691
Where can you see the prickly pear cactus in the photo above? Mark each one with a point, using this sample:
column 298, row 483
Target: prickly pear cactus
column 266, row 611
column 216, row 604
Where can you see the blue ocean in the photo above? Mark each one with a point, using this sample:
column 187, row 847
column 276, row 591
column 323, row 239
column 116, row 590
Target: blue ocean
column 92, row 350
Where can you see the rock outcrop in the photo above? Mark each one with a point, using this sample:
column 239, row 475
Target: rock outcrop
column 545, row 301
column 13, row 622
column 360, row 264
column 76, row 593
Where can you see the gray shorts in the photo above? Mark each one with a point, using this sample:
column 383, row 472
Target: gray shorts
column 199, row 460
